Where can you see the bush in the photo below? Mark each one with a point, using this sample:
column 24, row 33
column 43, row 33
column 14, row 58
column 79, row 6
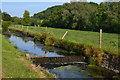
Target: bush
column 5, row 25
column 50, row 41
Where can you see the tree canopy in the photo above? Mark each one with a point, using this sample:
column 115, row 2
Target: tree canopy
column 82, row 16
column 6, row 16
column 74, row 15
column 26, row 18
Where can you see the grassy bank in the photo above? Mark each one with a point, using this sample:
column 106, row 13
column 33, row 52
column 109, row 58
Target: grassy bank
column 94, row 55
column 15, row 65
column 0, row 53
column 109, row 41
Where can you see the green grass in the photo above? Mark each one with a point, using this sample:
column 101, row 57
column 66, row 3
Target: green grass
column 14, row 65
column 109, row 40
column 0, row 55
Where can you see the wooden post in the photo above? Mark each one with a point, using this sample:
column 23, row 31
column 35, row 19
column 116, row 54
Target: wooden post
column 27, row 28
column 64, row 34
column 46, row 28
column 22, row 27
column 35, row 27
column 100, row 38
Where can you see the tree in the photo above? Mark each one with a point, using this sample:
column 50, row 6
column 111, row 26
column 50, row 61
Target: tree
column 6, row 16
column 0, row 15
column 82, row 16
column 55, row 20
column 16, row 20
column 26, row 18
column 5, row 25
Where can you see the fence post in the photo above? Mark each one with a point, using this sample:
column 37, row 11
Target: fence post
column 100, row 38
column 22, row 27
column 35, row 27
column 46, row 28
column 64, row 34
column 27, row 28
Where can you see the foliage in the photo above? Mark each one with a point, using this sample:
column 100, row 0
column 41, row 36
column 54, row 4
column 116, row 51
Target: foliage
column 109, row 40
column 6, row 16
column 5, row 20
column 5, row 25
column 26, row 18
column 16, row 20
column 82, row 16
column 0, row 16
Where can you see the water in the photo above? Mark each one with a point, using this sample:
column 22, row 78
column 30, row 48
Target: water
column 27, row 45
column 70, row 71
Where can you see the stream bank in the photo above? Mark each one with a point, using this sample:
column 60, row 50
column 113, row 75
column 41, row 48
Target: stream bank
column 15, row 65
column 27, row 45
column 94, row 55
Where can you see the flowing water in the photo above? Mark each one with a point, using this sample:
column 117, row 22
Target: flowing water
column 27, row 45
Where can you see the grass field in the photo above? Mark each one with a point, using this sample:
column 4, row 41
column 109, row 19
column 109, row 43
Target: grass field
column 15, row 65
column 109, row 40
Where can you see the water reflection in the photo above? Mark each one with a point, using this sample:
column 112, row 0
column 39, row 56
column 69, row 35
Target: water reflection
column 71, row 71
column 35, row 48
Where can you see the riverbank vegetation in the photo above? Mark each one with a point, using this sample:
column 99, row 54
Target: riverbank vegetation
column 94, row 55
column 85, row 17
column 15, row 65
column 109, row 41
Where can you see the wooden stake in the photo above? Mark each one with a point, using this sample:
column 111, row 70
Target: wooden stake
column 100, row 38
column 46, row 28
column 64, row 34
column 35, row 27
column 27, row 28
column 22, row 27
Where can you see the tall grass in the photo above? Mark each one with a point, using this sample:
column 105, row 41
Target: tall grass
column 109, row 40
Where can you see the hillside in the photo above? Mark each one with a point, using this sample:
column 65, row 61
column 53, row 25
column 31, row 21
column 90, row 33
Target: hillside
column 81, row 16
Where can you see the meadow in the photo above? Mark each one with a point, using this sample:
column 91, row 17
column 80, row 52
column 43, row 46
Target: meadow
column 109, row 40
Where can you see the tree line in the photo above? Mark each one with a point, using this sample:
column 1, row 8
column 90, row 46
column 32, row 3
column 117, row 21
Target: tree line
column 76, row 15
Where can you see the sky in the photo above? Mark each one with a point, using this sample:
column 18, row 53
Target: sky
column 17, row 7
column 45, row 0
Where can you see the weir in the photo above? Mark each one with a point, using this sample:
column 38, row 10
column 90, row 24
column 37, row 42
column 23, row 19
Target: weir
column 57, row 61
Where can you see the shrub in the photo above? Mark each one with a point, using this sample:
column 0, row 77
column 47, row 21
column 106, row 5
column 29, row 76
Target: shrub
column 50, row 41
column 5, row 25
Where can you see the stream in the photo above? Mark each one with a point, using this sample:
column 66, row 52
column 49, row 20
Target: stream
column 28, row 45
